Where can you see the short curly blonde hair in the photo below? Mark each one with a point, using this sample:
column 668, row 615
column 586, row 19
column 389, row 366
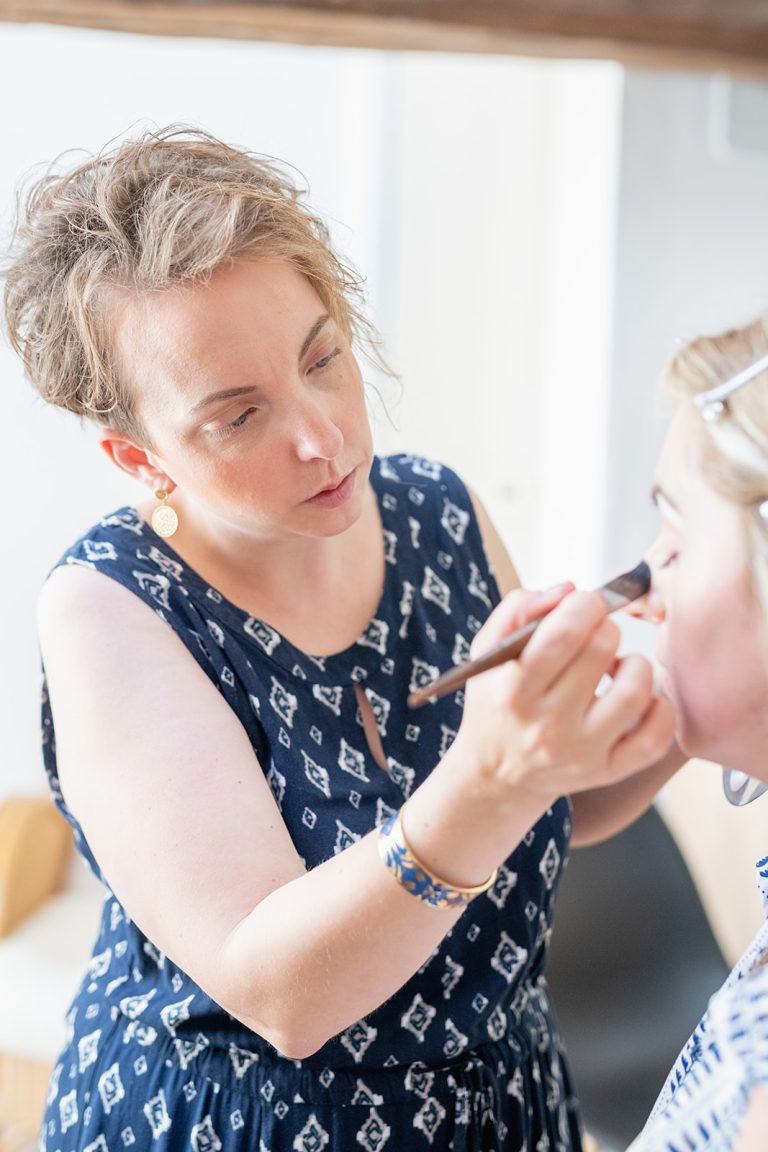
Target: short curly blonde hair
column 169, row 206
column 734, row 449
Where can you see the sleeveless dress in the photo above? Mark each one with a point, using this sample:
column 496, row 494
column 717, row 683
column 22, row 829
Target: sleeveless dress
column 706, row 1097
column 466, row 1055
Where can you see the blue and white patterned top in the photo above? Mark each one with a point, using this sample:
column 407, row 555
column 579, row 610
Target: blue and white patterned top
column 705, row 1099
column 466, row 1054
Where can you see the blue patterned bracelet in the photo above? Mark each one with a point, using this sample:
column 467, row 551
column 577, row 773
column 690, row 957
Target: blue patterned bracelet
column 411, row 874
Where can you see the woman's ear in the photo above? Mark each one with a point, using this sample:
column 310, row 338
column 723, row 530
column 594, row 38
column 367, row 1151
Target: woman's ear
column 135, row 460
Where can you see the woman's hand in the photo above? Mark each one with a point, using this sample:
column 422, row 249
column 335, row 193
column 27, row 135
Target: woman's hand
column 535, row 724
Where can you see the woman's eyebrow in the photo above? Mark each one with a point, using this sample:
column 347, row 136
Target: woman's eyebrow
column 223, row 394
column 318, row 324
column 248, row 389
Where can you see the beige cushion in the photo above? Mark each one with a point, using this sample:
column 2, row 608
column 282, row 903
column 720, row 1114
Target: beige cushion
column 35, row 845
column 42, row 964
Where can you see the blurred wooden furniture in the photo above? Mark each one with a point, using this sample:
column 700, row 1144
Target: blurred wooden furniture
column 660, row 33
column 49, row 906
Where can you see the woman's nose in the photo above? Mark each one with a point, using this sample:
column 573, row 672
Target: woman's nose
column 316, row 434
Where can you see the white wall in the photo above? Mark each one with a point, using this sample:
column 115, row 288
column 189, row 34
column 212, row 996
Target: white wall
column 477, row 195
column 691, row 258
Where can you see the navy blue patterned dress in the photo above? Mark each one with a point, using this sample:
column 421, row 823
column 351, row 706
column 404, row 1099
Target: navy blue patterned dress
column 466, row 1055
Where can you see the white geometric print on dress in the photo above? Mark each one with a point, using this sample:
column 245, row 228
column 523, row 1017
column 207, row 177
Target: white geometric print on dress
column 455, row 521
column 88, row 1049
column 68, row 1110
column 345, row 837
column 508, row 958
column 455, row 1041
column 402, row 775
column 111, row 1089
column 189, row 1049
column 167, row 566
column 174, row 1014
column 406, row 608
column 374, row 1133
column 99, row 550
column 99, row 965
column 143, row 1034
column 450, row 978
column 277, row 783
column 352, row 760
column 156, row 1112
column 505, row 881
column 418, row 1017
column 460, row 653
column 216, row 631
column 241, row 1059
column 421, row 673
column 154, row 585
column 390, row 547
column 447, row 737
column 283, row 702
column 312, row 1138
column 478, row 586
column 430, row 469
column 375, row 636
column 264, row 636
column 380, row 708
column 131, row 1007
column 419, row 1080
column 496, row 1024
column 358, row 1039
column 203, row 1137
column 550, row 864
column 363, row 1095
column 429, row 1118
column 436, row 590
column 331, row 697
column 415, row 528
column 97, row 1145
column 317, row 774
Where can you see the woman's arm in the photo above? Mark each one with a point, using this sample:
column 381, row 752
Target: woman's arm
column 753, row 1136
column 598, row 813
column 161, row 775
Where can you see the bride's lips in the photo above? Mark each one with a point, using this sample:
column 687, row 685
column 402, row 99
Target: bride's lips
column 333, row 497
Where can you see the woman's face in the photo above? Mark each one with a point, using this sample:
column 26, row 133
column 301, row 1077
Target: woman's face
column 252, row 400
column 712, row 636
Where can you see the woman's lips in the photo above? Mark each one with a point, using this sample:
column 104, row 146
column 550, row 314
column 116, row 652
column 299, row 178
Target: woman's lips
column 333, row 497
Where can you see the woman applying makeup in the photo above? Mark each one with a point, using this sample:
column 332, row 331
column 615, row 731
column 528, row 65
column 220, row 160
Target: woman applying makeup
column 227, row 671
column 710, row 600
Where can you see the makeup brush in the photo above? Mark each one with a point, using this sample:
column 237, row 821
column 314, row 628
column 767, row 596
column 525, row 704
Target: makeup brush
column 616, row 593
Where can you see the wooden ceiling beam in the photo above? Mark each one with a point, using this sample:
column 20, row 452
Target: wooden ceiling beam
column 676, row 33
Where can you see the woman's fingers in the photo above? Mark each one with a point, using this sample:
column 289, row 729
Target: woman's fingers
column 560, row 640
column 634, row 726
column 645, row 743
column 517, row 609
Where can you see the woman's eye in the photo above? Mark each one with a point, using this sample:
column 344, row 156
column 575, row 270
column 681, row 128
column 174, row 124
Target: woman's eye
column 324, row 361
column 242, row 418
column 233, row 426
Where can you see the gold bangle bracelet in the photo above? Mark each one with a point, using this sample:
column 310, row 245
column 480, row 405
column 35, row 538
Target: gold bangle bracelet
column 411, row 874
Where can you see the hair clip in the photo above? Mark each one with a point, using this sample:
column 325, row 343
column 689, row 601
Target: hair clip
column 712, row 403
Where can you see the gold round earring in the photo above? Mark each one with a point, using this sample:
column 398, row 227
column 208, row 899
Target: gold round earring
column 164, row 519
